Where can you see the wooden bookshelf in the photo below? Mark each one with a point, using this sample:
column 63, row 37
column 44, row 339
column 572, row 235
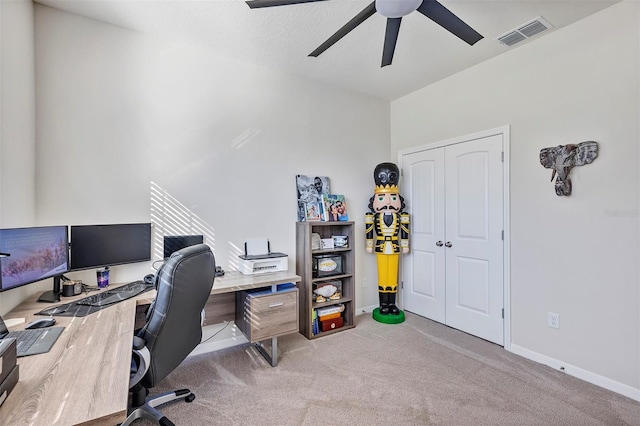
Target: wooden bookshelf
column 304, row 267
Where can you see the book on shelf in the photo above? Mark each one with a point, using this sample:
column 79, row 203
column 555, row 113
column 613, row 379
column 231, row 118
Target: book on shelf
column 330, row 309
column 335, row 207
column 321, row 317
column 330, row 316
column 314, row 323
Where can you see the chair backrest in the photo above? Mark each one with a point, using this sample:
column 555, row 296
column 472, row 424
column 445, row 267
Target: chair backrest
column 173, row 328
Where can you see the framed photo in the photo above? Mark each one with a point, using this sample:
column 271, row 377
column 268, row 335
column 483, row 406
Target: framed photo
column 335, row 207
column 326, row 243
column 310, row 190
column 313, row 212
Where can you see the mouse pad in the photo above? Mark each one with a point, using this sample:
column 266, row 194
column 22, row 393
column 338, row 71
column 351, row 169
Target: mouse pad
column 71, row 310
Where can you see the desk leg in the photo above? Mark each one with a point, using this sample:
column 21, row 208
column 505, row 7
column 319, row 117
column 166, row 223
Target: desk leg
column 273, row 357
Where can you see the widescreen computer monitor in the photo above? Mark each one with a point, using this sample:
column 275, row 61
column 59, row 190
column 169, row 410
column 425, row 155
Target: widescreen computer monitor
column 33, row 254
column 97, row 246
column 173, row 243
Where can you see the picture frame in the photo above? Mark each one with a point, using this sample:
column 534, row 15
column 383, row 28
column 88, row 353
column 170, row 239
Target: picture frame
column 313, row 212
column 335, row 208
column 309, row 189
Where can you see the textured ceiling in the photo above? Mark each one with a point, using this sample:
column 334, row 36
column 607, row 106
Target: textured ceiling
column 280, row 38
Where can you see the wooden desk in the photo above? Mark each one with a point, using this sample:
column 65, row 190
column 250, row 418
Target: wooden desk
column 235, row 282
column 84, row 379
column 85, row 376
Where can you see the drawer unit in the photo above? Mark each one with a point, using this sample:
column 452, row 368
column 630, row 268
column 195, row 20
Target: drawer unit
column 261, row 315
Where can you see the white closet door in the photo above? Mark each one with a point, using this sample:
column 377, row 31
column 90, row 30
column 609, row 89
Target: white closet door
column 474, row 224
column 423, row 288
column 455, row 197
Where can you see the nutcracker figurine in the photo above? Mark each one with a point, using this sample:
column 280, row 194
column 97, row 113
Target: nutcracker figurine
column 387, row 234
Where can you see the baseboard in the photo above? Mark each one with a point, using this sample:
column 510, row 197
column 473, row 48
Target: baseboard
column 365, row 310
column 219, row 336
column 578, row 372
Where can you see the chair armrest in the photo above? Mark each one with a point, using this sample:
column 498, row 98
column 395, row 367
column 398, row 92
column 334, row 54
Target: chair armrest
column 138, row 343
column 141, row 358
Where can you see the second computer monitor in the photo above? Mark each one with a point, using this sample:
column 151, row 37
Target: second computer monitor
column 97, row 246
column 173, row 243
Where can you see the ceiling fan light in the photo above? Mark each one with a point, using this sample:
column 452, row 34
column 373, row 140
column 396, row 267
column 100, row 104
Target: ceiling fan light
column 396, row 8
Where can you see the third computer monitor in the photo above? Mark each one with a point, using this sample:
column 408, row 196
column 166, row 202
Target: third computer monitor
column 173, row 243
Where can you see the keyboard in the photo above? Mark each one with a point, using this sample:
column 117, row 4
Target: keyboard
column 116, row 295
column 26, row 340
column 34, row 341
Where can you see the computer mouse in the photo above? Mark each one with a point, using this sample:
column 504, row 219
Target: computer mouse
column 40, row 323
column 149, row 279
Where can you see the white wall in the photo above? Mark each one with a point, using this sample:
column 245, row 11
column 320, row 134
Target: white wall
column 576, row 256
column 17, row 126
column 118, row 110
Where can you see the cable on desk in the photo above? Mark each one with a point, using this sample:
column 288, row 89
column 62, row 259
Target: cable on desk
column 86, row 288
column 216, row 333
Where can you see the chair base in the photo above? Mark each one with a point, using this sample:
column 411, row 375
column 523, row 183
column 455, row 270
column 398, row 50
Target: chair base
column 148, row 409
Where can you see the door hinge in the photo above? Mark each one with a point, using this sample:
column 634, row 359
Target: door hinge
column 503, row 235
column 502, row 313
column 401, row 284
column 502, row 156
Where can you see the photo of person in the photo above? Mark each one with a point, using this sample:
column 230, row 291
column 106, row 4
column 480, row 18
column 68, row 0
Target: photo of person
column 341, row 207
column 333, row 213
column 336, row 207
column 313, row 211
column 310, row 189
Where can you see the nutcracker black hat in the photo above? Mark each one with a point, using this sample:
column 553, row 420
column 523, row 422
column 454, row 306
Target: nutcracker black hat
column 386, row 176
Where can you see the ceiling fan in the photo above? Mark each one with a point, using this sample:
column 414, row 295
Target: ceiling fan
column 393, row 10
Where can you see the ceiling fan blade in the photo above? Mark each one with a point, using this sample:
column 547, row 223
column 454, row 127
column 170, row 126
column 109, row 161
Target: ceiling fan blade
column 254, row 4
column 390, row 38
column 357, row 20
column 450, row 22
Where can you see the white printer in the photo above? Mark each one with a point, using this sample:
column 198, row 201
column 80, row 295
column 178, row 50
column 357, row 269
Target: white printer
column 258, row 258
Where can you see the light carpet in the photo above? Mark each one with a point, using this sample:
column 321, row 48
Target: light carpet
column 416, row 373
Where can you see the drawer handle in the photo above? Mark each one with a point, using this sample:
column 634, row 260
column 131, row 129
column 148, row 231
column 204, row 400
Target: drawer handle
column 275, row 305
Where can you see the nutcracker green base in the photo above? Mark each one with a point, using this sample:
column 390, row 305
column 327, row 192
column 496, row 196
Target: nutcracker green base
column 389, row 318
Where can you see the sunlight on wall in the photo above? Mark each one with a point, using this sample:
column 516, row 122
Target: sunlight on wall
column 170, row 217
column 245, row 137
column 234, row 260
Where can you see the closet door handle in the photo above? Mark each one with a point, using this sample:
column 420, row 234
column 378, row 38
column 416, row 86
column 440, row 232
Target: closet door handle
column 448, row 244
column 439, row 243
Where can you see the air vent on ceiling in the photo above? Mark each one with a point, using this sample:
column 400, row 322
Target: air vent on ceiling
column 525, row 31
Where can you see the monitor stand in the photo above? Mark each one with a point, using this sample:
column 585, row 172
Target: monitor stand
column 53, row 296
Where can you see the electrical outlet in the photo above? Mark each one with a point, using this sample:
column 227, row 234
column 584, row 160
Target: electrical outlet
column 364, row 282
column 553, row 320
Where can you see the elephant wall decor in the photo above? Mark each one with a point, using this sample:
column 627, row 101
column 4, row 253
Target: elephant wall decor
column 563, row 158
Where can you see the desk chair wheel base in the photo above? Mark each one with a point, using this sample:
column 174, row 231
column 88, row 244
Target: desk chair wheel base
column 148, row 409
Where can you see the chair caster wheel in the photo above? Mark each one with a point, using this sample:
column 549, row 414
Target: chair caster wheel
column 190, row 398
column 165, row 422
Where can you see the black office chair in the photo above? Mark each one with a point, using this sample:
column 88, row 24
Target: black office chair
column 172, row 331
